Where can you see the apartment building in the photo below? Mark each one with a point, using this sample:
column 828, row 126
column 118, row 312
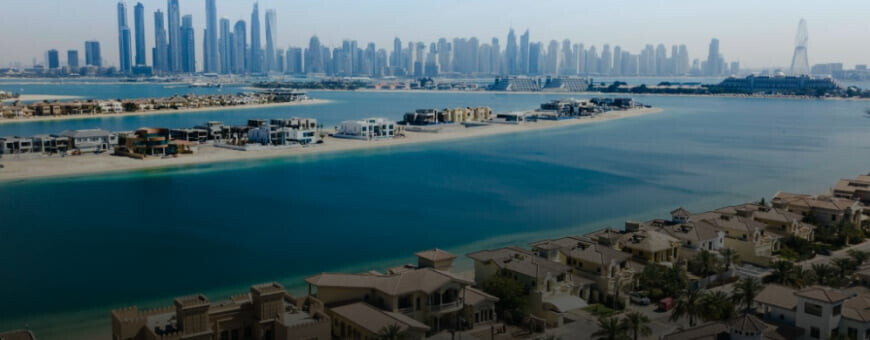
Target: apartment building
column 820, row 312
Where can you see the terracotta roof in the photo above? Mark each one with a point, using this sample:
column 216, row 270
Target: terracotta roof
column 435, row 255
column 809, row 201
column 824, row 294
column 778, row 296
column 519, row 260
column 599, row 254
column 424, row 280
column 374, row 320
column 857, row 308
column 681, row 212
column 747, row 323
column 474, row 296
column 707, row 331
column 691, row 231
column 649, row 240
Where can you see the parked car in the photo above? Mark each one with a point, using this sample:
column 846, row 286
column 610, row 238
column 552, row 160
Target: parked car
column 666, row 304
column 823, row 251
column 638, row 298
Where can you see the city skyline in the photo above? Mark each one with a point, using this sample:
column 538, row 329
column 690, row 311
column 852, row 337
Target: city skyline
column 294, row 29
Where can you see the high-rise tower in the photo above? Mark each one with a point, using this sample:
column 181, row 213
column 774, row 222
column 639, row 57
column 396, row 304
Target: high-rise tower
column 139, row 25
column 210, row 55
column 173, row 17
column 256, row 62
column 123, row 38
column 271, row 39
column 799, row 62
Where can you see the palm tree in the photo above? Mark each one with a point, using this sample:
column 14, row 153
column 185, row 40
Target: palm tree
column 704, row 263
column 730, row 256
column 844, row 267
column 802, row 277
column 858, row 256
column 637, row 324
column 718, row 306
column 782, row 273
column 824, row 273
column 744, row 293
column 690, row 305
column 390, row 332
column 609, row 329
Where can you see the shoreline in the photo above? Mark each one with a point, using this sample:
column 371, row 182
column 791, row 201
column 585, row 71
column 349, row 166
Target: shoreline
column 159, row 112
column 592, row 93
column 39, row 97
column 71, row 166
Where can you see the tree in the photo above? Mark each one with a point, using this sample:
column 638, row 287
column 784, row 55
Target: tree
column 609, row 329
column 637, row 324
column 730, row 256
column 824, row 273
column 844, row 267
column 744, row 294
column 781, row 273
column 704, row 264
column 690, row 305
column 511, row 293
column 390, row 332
column 858, row 256
column 717, row 306
column 669, row 281
column 550, row 337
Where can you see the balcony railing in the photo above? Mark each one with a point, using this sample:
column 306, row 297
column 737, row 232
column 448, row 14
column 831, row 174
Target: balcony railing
column 444, row 306
column 408, row 310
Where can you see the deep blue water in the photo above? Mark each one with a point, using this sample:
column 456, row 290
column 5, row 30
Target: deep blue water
column 71, row 249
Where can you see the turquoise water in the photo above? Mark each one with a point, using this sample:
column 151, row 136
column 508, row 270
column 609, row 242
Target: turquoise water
column 74, row 248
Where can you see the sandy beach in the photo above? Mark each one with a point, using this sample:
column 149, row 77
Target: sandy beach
column 159, row 112
column 39, row 97
column 56, row 166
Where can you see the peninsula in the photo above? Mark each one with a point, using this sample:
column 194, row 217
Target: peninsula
column 15, row 168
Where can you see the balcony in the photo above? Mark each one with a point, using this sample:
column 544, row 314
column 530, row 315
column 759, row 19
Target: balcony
column 445, row 307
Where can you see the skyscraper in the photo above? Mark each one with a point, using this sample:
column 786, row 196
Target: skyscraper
column 52, row 59
column 294, row 60
column 210, row 53
column 524, row 53
column 226, row 47
column 495, row 57
column 188, row 45
column 799, row 62
column 123, row 39
column 160, row 57
column 314, row 62
column 271, row 39
column 396, row 60
column 510, row 53
column 173, row 15
column 256, row 62
column 605, row 64
column 139, row 25
column 714, row 60
column 92, row 54
column 72, row 58
column 240, row 48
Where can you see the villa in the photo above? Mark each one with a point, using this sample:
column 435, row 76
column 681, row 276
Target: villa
column 421, row 299
column 819, row 311
column 854, row 189
column 367, row 129
column 552, row 287
column 151, row 142
column 93, row 140
column 610, row 270
column 266, row 312
column 820, row 209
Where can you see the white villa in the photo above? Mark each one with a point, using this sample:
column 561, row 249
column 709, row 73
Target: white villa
column 367, row 129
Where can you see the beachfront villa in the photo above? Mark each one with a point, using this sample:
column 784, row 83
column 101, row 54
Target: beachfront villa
column 511, row 118
column 151, row 142
column 266, row 312
column 367, row 129
column 854, row 189
column 447, row 116
column 92, row 140
column 821, row 209
column 552, row 287
column 421, row 299
column 610, row 270
column 284, row 131
column 819, row 312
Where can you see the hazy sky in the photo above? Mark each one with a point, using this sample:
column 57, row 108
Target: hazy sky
column 758, row 33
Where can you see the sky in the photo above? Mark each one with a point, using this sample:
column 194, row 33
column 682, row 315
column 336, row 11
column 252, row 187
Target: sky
column 757, row 33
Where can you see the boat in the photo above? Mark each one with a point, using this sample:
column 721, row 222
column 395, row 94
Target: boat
column 205, row 85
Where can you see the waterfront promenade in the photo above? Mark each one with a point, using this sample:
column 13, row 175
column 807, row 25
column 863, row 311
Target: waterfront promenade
column 57, row 166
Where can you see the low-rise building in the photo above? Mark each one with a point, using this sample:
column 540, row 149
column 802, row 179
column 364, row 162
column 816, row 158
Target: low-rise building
column 821, row 312
column 435, row 298
column 854, row 189
column 610, row 270
column 552, row 287
column 822, row 210
column 283, row 131
column 367, row 129
column 150, row 142
column 21, row 334
column 266, row 312
column 91, row 140
column 742, row 327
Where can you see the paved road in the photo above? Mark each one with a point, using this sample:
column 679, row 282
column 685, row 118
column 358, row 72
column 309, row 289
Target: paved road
column 864, row 246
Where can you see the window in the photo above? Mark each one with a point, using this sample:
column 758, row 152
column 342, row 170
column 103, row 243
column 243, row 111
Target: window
column 837, row 309
column 812, row 309
column 814, row 332
column 852, row 333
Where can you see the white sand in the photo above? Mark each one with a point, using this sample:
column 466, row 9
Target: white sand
column 39, row 97
column 159, row 112
column 56, row 166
